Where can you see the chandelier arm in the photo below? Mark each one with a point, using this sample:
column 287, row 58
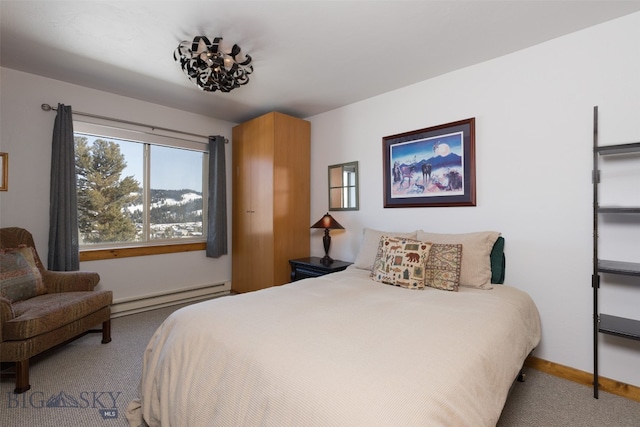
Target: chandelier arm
column 196, row 42
column 246, row 62
column 235, row 50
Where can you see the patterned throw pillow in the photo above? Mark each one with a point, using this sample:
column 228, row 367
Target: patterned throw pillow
column 20, row 278
column 443, row 266
column 401, row 262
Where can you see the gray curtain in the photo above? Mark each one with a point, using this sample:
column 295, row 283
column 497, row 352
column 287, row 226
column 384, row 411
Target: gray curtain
column 217, row 201
column 63, row 198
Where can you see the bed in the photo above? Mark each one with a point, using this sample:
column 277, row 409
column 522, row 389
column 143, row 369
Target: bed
column 343, row 349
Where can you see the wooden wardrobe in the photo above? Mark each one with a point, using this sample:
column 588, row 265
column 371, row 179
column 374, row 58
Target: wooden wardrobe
column 271, row 199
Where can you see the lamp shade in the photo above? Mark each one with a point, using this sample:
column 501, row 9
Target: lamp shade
column 328, row 222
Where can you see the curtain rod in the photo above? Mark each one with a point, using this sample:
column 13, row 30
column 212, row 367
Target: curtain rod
column 47, row 107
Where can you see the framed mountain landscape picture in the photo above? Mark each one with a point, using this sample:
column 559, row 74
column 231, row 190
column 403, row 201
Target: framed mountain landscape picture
column 430, row 167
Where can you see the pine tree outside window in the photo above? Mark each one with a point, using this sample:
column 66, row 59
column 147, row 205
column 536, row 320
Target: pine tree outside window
column 136, row 189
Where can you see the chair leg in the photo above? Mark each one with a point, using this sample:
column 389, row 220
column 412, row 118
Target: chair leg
column 22, row 376
column 106, row 331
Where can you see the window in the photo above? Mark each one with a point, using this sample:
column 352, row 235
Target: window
column 137, row 189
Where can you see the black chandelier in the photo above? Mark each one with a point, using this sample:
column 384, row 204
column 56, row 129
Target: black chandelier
column 209, row 67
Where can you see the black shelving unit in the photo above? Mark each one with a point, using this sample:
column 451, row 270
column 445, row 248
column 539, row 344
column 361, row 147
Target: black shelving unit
column 606, row 323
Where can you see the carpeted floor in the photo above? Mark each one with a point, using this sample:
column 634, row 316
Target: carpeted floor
column 86, row 383
column 545, row 400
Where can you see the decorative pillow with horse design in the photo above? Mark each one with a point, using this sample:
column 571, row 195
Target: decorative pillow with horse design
column 401, row 262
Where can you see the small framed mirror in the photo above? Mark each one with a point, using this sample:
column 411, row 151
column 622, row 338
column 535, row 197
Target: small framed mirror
column 343, row 187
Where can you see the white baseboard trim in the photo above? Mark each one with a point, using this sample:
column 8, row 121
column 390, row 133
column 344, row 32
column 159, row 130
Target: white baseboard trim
column 127, row 306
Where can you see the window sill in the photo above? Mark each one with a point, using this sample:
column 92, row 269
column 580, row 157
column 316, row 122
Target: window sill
column 114, row 253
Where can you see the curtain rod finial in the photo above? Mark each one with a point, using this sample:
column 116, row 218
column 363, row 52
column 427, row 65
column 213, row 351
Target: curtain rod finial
column 46, row 107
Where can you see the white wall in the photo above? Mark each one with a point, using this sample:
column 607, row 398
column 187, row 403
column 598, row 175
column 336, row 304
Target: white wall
column 26, row 135
column 533, row 113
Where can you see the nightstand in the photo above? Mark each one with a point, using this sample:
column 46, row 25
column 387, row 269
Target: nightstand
column 303, row 268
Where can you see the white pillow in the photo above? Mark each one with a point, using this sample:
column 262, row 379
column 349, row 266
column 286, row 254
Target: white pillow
column 476, row 255
column 369, row 246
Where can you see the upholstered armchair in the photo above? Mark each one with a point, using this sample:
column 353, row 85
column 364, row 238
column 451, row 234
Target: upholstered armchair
column 40, row 309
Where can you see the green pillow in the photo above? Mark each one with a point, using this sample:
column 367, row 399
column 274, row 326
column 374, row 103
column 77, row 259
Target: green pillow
column 498, row 262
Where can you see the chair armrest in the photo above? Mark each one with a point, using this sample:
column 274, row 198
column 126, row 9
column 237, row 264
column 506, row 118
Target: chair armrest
column 69, row 281
column 6, row 313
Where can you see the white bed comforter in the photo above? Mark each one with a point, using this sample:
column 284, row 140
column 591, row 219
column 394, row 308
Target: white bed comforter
column 338, row 350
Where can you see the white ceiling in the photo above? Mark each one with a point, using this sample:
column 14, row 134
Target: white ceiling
column 308, row 56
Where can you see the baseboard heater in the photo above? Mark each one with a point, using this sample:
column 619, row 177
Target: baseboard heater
column 139, row 304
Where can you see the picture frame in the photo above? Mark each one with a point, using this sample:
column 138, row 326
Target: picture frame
column 4, row 171
column 431, row 167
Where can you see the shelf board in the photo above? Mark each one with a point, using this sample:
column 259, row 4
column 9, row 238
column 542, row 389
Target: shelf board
column 633, row 147
column 620, row 326
column 619, row 267
column 619, row 209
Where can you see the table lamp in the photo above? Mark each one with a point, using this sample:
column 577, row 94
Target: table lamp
column 328, row 223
